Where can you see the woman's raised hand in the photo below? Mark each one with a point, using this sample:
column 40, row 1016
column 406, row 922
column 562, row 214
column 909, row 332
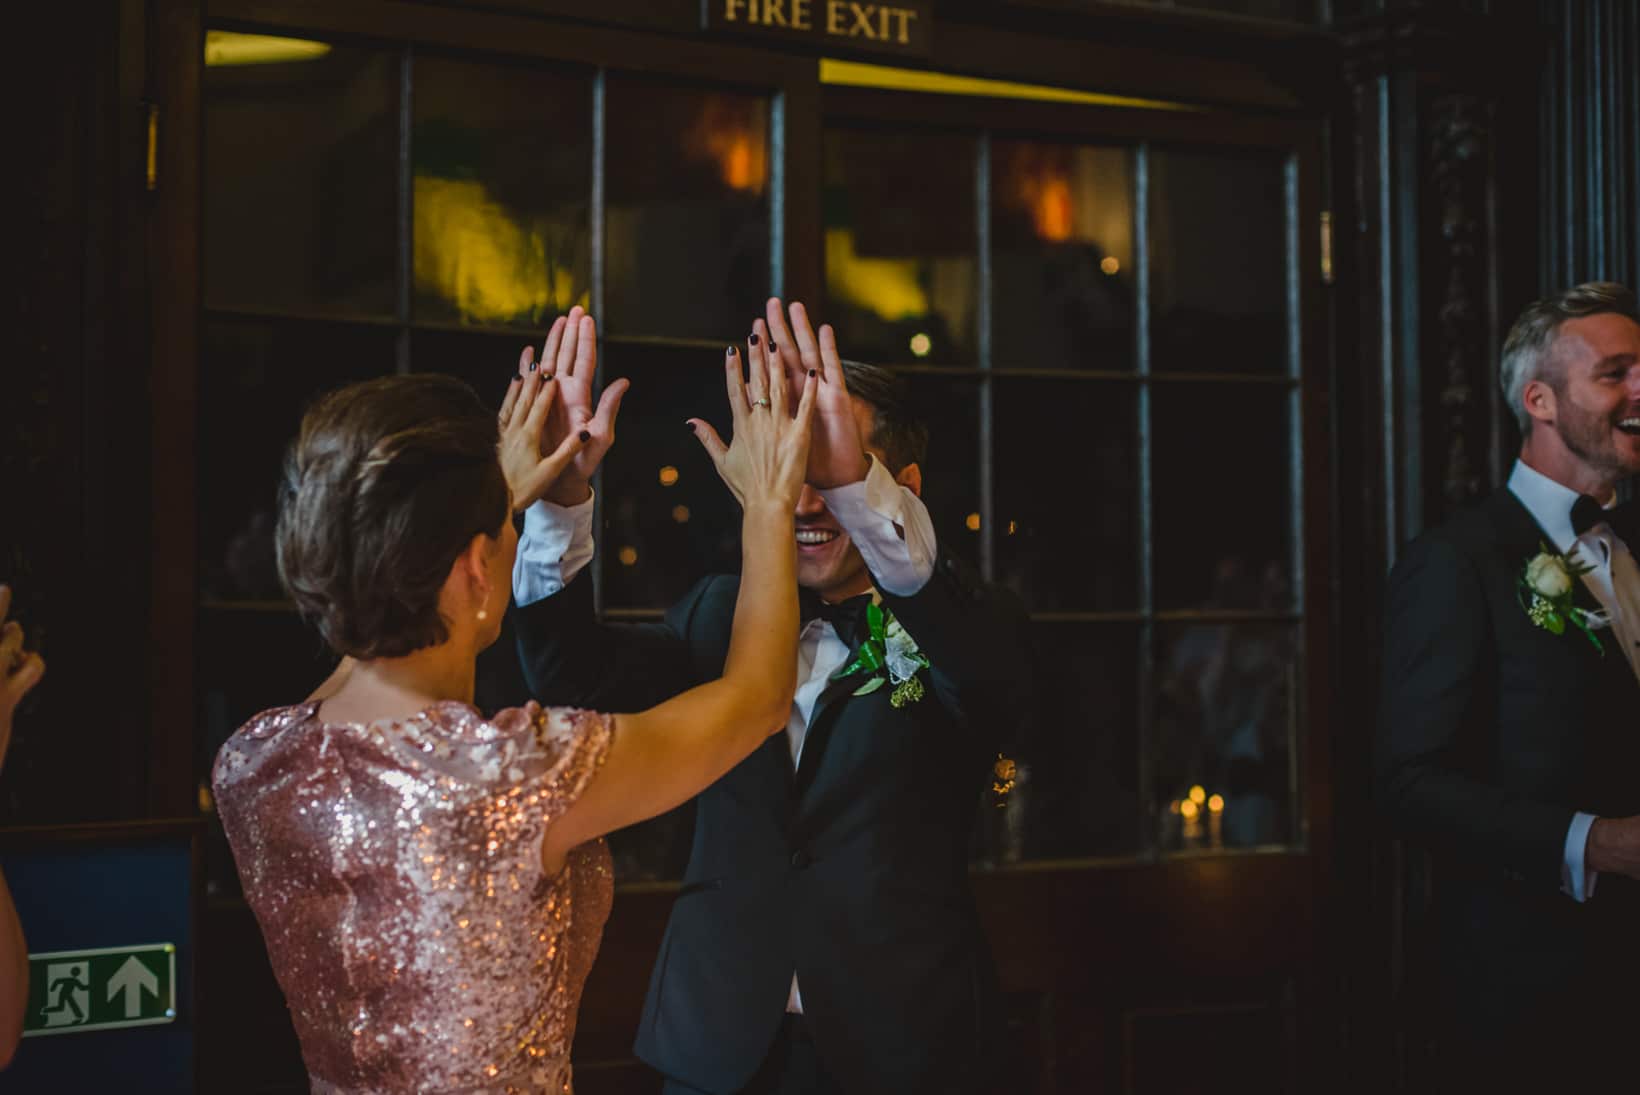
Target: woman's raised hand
column 766, row 458
column 523, row 415
column 20, row 669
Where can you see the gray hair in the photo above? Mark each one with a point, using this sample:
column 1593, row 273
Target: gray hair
column 1529, row 347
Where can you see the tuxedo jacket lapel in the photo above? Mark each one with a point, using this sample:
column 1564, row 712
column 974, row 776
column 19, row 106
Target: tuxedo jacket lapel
column 821, row 721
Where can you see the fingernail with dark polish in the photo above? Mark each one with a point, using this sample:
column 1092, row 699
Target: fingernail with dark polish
column 753, row 339
column 811, row 372
column 585, row 437
column 731, row 351
column 773, row 347
column 691, row 426
column 532, row 366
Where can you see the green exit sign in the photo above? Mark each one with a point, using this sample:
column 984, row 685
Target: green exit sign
column 71, row 991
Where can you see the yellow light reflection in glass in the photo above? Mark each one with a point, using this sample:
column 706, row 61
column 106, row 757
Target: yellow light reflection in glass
column 972, row 522
column 1198, row 794
column 225, row 47
column 1216, row 804
column 471, row 251
column 1109, row 264
column 1188, row 810
column 860, row 74
column 921, row 344
column 888, row 287
column 669, row 476
column 628, row 556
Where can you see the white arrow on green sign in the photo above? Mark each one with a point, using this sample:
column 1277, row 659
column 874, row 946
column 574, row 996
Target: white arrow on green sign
column 72, row 991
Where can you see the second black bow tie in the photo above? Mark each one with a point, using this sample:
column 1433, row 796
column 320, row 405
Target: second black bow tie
column 845, row 617
column 1623, row 519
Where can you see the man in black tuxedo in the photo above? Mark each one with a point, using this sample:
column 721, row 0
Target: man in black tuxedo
column 1510, row 732
column 824, row 938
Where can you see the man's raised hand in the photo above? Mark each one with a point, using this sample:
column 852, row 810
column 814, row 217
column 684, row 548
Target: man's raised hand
column 836, row 450
column 569, row 358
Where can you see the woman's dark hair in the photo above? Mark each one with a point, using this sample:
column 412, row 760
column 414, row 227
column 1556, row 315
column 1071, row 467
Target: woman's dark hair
column 386, row 484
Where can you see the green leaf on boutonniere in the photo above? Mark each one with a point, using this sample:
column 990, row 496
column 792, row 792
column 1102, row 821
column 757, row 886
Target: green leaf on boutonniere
column 890, row 656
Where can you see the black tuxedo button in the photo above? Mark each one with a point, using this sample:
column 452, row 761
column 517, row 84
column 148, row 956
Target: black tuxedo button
column 801, row 858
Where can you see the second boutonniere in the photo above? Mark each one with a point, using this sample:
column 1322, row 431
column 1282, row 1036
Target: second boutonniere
column 891, row 657
column 1545, row 592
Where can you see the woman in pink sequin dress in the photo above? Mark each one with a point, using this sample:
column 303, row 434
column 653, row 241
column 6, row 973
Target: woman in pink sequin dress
column 432, row 883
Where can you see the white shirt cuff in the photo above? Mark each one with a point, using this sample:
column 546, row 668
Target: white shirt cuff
column 1575, row 881
column 554, row 547
column 874, row 512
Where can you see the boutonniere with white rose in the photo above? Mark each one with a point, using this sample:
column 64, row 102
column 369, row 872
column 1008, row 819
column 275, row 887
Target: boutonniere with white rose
column 1545, row 592
column 891, row 657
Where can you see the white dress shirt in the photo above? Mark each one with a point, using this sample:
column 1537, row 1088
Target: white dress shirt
column 1614, row 579
column 886, row 521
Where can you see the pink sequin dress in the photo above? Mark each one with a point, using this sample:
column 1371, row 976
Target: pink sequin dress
column 395, row 870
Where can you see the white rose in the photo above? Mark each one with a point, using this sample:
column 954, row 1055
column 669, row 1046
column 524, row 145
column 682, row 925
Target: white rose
column 1548, row 576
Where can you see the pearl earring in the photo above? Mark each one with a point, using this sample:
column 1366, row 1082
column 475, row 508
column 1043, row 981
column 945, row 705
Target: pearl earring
column 483, row 614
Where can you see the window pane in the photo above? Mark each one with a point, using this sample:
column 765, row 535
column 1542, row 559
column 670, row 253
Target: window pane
column 655, row 849
column 950, row 483
column 250, row 658
column 1067, row 493
column 900, row 246
column 1218, row 263
column 687, row 227
column 1226, row 544
column 1077, row 770
column 1224, row 734
column 1062, row 246
column 301, row 156
column 502, row 196
column 255, row 380
column 667, row 517
column 487, row 362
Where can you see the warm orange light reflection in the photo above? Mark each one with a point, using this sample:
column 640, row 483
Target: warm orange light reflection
column 1216, row 804
column 727, row 130
column 1052, row 209
column 1198, row 794
column 628, row 556
column 972, row 522
column 669, row 476
column 1109, row 264
column 680, row 514
column 1188, row 810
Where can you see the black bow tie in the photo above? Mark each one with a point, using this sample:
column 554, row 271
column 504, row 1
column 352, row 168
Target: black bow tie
column 845, row 616
column 1624, row 519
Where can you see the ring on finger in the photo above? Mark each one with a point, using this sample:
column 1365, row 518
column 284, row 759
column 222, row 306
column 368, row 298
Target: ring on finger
column 760, row 402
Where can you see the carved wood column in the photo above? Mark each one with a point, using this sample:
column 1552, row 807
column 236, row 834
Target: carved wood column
column 1436, row 198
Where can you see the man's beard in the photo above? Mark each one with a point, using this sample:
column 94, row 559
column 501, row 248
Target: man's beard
column 1589, row 438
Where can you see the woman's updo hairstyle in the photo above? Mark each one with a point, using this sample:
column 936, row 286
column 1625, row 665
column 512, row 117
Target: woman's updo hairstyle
column 386, row 484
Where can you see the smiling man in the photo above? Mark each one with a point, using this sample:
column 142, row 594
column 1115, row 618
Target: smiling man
column 1510, row 726
column 824, row 939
